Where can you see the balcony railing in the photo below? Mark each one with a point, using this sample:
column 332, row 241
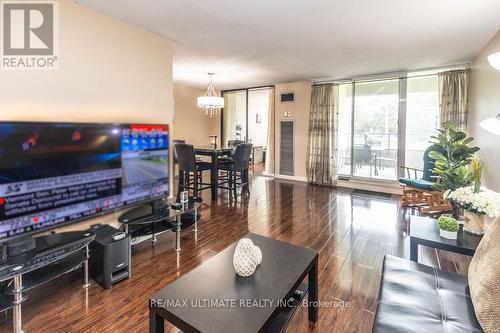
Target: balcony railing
column 375, row 153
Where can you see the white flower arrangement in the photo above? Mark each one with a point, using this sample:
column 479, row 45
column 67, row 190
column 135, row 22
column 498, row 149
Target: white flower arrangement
column 483, row 202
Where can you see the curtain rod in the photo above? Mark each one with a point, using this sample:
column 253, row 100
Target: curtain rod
column 379, row 79
column 270, row 86
column 391, row 75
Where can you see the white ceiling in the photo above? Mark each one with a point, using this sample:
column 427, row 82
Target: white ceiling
column 257, row 42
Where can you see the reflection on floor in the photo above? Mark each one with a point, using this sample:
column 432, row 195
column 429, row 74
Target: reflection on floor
column 351, row 232
column 257, row 169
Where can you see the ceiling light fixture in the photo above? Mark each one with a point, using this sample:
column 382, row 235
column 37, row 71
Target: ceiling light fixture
column 494, row 60
column 491, row 125
column 211, row 103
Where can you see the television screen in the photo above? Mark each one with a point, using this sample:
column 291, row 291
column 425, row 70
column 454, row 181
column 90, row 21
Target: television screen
column 144, row 153
column 53, row 174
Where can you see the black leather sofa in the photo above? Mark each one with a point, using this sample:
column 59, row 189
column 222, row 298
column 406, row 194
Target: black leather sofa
column 418, row 298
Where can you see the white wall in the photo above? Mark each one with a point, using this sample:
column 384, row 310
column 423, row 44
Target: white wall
column 109, row 71
column 258, row 104
column 484, row 102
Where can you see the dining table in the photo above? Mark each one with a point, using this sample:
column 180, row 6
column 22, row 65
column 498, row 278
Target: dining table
column 214, row 153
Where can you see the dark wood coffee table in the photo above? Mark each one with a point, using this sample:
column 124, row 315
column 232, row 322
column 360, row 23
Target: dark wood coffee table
column 213, row 298
column 425, row 231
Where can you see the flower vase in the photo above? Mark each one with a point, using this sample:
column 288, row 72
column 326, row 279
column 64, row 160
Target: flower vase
column 474, row 223
column 457, row 211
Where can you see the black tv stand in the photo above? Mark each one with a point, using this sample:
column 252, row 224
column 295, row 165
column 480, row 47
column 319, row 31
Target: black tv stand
column 157, row 207
column 148, row 221
column 54, row 255
column 21, row 247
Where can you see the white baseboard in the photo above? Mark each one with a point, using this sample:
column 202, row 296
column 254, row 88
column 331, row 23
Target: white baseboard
column 295, row 178
column 267, row 174
column 371, row 186
column 376, row 186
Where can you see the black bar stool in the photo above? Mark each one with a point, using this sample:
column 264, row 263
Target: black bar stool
column 236, row 170
column 234, row 143
column 230, row 144
column 175, row 156
column 190, row 170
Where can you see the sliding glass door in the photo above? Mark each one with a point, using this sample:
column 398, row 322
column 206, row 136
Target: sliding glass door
column 376, row 106
column 234, row 116
column 245, row 116
column 248, row 116
column 258, row 116
column 384, row 124
column 344, row 142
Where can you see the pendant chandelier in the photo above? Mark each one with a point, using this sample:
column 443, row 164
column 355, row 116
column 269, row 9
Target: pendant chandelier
column 211, row 103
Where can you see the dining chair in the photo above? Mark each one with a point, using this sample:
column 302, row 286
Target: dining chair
column 230, row 144
column 234, row 143
column 190, row 170
column 236, row 170
column 174, row 142
column 363, row 155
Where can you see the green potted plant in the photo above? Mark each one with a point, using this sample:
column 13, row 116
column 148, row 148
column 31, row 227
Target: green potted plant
column 448, row 227
column 452, row 168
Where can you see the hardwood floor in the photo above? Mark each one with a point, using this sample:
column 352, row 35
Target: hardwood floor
column 351, row 232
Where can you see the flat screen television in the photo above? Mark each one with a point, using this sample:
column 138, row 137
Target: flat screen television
column 52, row 174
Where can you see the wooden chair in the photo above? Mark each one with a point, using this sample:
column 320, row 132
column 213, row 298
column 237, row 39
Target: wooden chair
column 420, row 192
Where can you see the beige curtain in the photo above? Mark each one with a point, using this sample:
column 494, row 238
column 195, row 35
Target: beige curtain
column 322, row 147
column 270, row 135
column 453, row 97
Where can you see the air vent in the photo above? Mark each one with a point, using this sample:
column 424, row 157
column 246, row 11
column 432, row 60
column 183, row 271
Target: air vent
column 286, row 148
column 287, row 97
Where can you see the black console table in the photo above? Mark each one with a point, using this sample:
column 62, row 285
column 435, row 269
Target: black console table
column 54, row 255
